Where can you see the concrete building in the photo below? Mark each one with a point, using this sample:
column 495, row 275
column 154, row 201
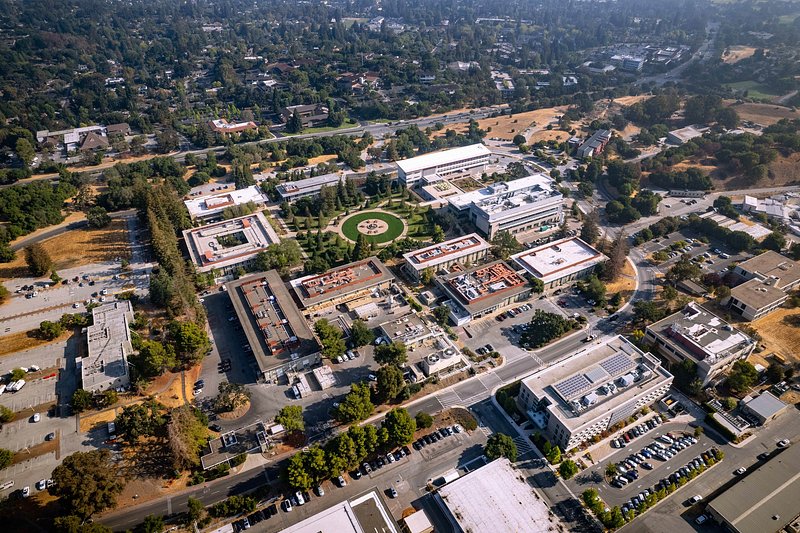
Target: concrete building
column 775, row 208
column 310, row 115
column 684, row 135
column 482, row 290
column 514, row 206
column 418, row 522
column 409, row 329
column 342, row 284
column 441, row 257
column 108, row 347
column 766, row 500
column 763, row 408
column 276, row 331
column 699, row 335
column 594, row 145
column 293, row 190
column 434, row 166
column 628, row 63
column 209, row 207
column 589, row 393
column 770, row 276
column 225, row 246
column 366, row 513
column 494, row 498
column 561, row 262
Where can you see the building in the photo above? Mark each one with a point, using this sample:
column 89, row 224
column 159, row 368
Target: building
column 292, row 190
column 763, row 408
column 769, row 278
column 228, row 245
column 514, row 206
column 94, row 141
column 775, row 208
column 494, row 498
column 628, row 63
column 561, row 262
column 766, row 500
column 409, row 329
column 209, row 207
column 592, row 391
column 594, row 145
column 105, row 366
column 469, row 249
column 223, row 126
column 362, row 514
column 276, row 332
column 442, row 360
column 310, row 115
column 118, row 129
column 342, row 284
column 418, row 522
column 434, row 166
column 699, row 335
column 482, row 290
column 684, row 135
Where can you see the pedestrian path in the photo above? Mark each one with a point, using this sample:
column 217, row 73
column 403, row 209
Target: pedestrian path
column 524, row 446
column 449, row 398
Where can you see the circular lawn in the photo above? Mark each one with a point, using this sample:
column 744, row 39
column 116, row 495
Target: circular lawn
column 377, row 226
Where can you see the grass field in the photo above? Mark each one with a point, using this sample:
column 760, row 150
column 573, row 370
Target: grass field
column 764, row 114
column 778, row 335
column 20, row 341
column 396, row 226
column 754, row 89
column 736, row 53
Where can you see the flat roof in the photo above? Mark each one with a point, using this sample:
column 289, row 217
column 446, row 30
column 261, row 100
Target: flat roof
column 273, row 325
column 447, row 251
column 435, row 159
column 578, row 386
column 216, row 203
column 484, row 286
column 701, row 333
column 757, row 294
column 767, row 499
column 307, row 185
column 769, row 264
column 766, row 405
column 108, row 345
column 687, row 133
column 555, row 260
column 495, row 498
column 341, row 281
column 506, row 194
column 243, row 238
column 363, row 514
column 408, row 328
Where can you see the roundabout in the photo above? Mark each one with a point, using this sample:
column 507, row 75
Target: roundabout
column 377, row 226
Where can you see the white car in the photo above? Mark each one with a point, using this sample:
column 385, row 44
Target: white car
column 41, row 484
column 740, row 470
column 37, row 417
column 26, row 491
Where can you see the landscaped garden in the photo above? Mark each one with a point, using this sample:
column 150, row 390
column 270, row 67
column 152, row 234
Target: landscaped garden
column 377, row 226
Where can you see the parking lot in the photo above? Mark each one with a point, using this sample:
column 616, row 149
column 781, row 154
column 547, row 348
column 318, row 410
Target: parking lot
column 714, row 261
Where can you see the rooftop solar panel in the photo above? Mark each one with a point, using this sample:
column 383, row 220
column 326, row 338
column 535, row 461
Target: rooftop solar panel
column 617, row 364
column 572, row 386
column 597, row 374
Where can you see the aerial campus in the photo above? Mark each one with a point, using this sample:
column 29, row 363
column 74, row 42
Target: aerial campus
column 409, row 267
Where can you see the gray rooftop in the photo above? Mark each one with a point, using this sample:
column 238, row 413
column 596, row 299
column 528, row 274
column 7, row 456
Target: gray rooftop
column 341, row 281
column 109, row 343
column 757, row 293
column 766, row 405
column 773, row 265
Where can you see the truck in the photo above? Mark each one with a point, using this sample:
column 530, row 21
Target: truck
column 16, row 385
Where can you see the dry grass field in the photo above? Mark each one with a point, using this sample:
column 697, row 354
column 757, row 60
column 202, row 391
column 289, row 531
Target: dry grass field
column 764, row 114
column 505, row 127
column 20, row 341
column 736, row 53
column 778, row 335
column 625, row 284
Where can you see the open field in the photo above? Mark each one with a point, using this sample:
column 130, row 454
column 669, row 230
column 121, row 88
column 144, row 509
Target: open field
column 20, row 341
column 548, row 135
column 754, row 89
column 322, row 159
column 94, row 420
column 736, row 53
column 778, row 335
column 505, row 127
column 630, row 100
column 79, row 247
column 625, row 284
column 764, row 114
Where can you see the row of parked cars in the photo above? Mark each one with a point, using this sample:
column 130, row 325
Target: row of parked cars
column 436, row 436
column 635, row 432
column 511, row 313
column 662, row 448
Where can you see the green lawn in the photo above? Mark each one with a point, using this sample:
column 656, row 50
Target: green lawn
column 754, row 89
column 396, row 226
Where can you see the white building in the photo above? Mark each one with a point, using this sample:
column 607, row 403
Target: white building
column 593, row 390
column 434, row 166
column 208, row 207
column 514, row 206
column 294, row 190
column 560, row 262
column 697, row 334
column 440, row 257
column 108, row 347
column 230, row 244
column 769, row 279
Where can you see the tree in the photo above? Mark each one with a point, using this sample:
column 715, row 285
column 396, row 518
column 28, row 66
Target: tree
column 25, row 151
column 519, row 139
column 590, row 229
column 87, row 482
column 17, row 374
column 544, row 327
column 775, row 373
column 6, row 456
column 153, row 524
column 186, row 434
column 154, row 358
column 424, row 420
column 294, row 124
column 190, row 341
column 427, row 275
column 441, row 314
column 683, row 269
column 37, row 259
column 567, row 468
column 140, row 420
column 6, row 414
column 554, row 455
column 195, row 510
column 296, row 473
column 500, row 445
column 97, row 217
column 81, row 400
column 231, row 396
column 438, row 234
column 743, row 376
column 50, row 330
column 357, row 405
column 391, row 354
column 617, row 258
column 330, row 337
column 594, row 289
column 648, row 311
column 75, row 524
column 669, row 293
column 390, row 383
column 774, row 241
column 291, row 418
column 360, row 334
column 504, row 244
column 400, row 427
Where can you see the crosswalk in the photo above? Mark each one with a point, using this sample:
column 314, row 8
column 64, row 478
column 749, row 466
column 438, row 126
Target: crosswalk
column 524, row 447
column 485, row 430
column 449, row 398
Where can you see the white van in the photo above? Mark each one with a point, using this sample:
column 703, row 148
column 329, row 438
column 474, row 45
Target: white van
column 2, row 389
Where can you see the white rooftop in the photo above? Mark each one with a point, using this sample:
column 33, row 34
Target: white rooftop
column 554, row 260
column 365, row 514
column 109, row 344
column 229, row 242
column 445, row 251
column 304, row 186
column 443, row 157
column 494, row 499
column 497, row 193
column 205, row 206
